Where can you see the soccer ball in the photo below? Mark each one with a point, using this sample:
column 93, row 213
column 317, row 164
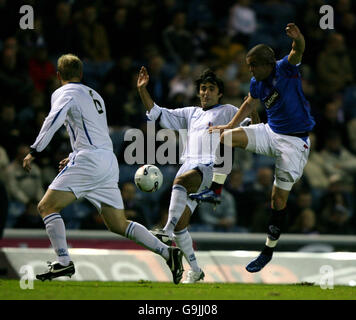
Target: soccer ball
column 148, row 178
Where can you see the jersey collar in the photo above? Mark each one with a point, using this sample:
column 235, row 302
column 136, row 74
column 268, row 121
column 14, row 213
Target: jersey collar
column 212, row 107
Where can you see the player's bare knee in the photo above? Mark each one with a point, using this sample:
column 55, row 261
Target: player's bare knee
column 184, row 220
column 115, row 219
column 225, row 137
column 118, row 227
column 181, row 225
column 44, row 209
column 182, row 181
column 178, row 180
column 234, row 138
column 40, row 208
column 190, row 180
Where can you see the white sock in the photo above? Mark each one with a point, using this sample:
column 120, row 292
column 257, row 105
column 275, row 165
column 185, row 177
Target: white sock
column 219, row 177
column 184, row 241
column 138, row 233
column 271, row 243
column 57, row 235
column 176, row 207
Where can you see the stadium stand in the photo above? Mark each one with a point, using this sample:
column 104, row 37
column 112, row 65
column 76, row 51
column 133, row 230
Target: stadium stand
column 175, row 40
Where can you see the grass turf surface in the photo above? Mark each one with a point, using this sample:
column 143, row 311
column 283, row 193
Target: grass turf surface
column 145, row 290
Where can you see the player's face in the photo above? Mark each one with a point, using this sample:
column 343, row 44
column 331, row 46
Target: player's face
column 259, row 70
column 209, row 94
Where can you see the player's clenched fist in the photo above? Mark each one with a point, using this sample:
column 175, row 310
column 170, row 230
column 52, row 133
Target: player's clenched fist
column 143, row 78
column 293, row 31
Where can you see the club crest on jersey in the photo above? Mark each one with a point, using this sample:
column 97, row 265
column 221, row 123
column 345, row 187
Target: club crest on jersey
column 210, row 124
column 271, row 99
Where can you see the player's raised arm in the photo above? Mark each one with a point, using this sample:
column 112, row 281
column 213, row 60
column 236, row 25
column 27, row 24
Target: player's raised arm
column 298, row 45
column 142, row 81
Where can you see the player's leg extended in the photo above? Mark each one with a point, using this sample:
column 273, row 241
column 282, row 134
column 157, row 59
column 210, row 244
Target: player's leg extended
column 278, row 216
column 49, row 207
column 274, row 228
column 186, row 183
column 291, row 157
column 179, row 217
column 223, row 164
column 184, row 241
column 231, row 139
column 116, row 222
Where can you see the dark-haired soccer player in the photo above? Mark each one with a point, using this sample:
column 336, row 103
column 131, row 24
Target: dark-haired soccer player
column 277, row 84
column 198, row 156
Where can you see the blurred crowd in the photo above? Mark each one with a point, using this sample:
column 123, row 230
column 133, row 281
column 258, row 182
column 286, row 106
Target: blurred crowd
column 176, row 40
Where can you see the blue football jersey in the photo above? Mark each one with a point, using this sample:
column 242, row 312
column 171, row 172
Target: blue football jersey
column 288, row 111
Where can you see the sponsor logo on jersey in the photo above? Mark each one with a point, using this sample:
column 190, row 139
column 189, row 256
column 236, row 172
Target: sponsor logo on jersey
column 271, row 99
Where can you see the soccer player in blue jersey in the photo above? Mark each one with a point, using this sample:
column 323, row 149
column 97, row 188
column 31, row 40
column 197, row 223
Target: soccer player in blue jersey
column 277, row 85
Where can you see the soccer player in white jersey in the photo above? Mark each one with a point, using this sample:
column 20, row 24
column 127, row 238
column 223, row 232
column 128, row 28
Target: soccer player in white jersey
column 91, row 171
column 196, row 172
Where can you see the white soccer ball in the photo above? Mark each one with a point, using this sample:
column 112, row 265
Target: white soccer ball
column 148, row 178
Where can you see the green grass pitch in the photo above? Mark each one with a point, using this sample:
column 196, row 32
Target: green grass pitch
column 145, row 290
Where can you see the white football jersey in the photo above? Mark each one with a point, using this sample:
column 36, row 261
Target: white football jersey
column 82, row 110
column 193, row 124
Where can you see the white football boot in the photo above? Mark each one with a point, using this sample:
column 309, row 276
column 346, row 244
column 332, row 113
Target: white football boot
column 193, row 276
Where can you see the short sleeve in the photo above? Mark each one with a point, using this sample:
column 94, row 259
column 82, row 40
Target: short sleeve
column 253, row 88
column 288, row 69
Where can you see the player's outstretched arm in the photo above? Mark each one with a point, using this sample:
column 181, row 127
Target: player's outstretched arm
column 247, row 107
column 255, row 118
column 142, row 81
column 245, row 110
column 298, row 45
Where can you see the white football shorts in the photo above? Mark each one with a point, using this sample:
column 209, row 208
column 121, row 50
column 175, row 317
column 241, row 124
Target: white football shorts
column 207, row 173
column 93, row 175
column 291, row 153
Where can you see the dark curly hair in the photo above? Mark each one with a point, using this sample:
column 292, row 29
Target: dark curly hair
column 209, row 76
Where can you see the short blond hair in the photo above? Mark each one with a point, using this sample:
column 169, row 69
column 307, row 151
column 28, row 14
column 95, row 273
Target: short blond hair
column 69, row 66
